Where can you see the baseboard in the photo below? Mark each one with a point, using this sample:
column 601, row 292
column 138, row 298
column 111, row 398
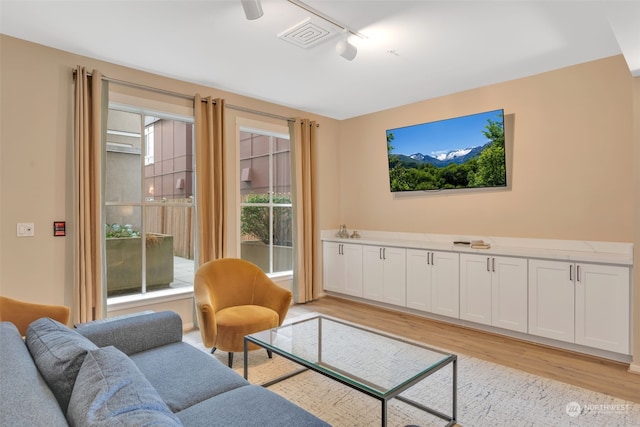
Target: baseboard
column 634, row 368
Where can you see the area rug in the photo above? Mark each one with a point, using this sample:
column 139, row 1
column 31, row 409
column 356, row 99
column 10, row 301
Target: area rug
column 488, row 395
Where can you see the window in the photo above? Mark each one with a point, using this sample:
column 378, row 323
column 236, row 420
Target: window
column 266, row 209
column 148, row 202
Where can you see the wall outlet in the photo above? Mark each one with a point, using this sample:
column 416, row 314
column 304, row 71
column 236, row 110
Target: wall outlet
column 25, row 229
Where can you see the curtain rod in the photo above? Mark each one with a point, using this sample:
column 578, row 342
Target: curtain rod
column 190, row 97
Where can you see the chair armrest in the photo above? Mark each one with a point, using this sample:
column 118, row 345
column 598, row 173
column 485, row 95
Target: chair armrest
column 270, row 294
column 205, row 310
column 134, row 333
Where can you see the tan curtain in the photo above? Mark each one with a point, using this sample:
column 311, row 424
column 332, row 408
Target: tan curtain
column 88, row 292
column 303, row 137
column 210, row 185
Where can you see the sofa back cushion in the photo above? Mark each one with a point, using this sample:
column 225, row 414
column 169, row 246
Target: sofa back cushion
column 58, row 353
column 110, row 390
column 136, row 332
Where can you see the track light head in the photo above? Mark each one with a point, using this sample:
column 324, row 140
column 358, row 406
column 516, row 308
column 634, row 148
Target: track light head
column 252, row 9
column 346, row 49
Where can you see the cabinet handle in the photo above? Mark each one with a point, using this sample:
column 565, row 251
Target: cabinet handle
column 577, row 273
column 384, row 253
column 571, row 273
column 493, row 265
column 488, row 269
column 379, row 253
column 341, row 249
column 428, row 255
column 432, row 259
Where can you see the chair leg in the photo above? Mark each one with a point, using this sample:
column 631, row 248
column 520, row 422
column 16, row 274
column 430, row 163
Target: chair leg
column 213, row 350
column 269, row 353
column 230, row 359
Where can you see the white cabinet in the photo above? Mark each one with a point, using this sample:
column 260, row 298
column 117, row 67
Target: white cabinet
column 582, row 303
column 578, row 303
column 432, row 281
column 384, row 274
column 552, row 299
column 493, row 291
column 342, row 268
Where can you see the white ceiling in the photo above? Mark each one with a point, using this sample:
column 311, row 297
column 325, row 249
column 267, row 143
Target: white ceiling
column 437, row 47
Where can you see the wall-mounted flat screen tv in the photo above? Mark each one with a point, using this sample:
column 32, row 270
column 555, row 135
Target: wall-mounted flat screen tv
column 457, row 153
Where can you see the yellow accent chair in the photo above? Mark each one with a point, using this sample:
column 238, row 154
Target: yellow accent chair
column 235, row 298
column 22, row 313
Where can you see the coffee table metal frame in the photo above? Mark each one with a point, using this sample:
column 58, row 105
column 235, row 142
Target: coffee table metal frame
column 383, row 397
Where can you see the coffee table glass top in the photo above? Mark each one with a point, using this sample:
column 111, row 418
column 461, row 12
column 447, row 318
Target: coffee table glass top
column 367, row 359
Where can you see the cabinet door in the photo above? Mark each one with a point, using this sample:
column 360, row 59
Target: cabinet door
column 445, row 286
column 334, row 267
column 418, row 280
column 394, row 276
column 602, row 307
column 352, row 258
column 445, row 274
column 551, row 299
column 509, row 293
column 372, row 273
column 475, row 288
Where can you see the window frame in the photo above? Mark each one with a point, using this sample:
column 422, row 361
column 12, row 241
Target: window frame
column 272, row 134
column 145, row 294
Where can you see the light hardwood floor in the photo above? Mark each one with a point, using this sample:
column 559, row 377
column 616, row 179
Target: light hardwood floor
column 589, row 372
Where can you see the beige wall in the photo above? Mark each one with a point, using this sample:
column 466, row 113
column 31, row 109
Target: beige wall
column 36, row 155
column 571, row 150
column 571, row 164
column 574, row 166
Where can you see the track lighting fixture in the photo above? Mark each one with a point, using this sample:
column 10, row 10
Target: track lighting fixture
column 252, row 9
column 346, row 49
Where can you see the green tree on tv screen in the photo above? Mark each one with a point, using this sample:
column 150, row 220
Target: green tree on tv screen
column 485, row 170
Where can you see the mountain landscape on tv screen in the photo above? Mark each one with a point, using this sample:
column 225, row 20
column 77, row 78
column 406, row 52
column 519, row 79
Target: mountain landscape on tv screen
column 448, row 165
column 457, row 156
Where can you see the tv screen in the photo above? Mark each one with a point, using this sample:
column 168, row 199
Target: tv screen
column 457, row 153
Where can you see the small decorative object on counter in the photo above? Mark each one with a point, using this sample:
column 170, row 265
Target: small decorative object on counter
column 355, row 234
column 343, row 233
column 479, row 244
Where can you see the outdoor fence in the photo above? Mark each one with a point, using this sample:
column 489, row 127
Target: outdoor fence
column 175, row 220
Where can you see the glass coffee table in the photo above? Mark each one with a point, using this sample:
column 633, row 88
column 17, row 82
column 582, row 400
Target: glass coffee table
column 376, row 364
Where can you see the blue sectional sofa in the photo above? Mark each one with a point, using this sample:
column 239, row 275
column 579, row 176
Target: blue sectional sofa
column 127, row 371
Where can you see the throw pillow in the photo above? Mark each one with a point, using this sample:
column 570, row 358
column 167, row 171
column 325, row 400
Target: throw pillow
column 58, row 351
column 110, row 390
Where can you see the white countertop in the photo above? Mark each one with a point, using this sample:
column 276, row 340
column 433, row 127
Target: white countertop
column 561, row 250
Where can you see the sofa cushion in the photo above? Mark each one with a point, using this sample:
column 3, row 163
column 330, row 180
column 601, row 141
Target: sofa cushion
column 111, row 391
column 22, row 388
column 169, row 368
column 58, row 352
column 133, row 333
column 248, row 406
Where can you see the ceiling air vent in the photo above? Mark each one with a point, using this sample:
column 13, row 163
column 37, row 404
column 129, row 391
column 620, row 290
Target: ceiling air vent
column 306, row 34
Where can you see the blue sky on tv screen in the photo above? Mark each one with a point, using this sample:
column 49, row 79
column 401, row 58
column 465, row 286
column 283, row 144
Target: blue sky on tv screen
column 440, row 137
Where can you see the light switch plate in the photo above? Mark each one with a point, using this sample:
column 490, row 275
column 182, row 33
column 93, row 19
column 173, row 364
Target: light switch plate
column 25, row 229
